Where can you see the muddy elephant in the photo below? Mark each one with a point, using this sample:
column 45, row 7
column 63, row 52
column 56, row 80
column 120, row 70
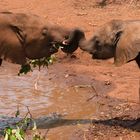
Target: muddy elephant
column 117, row 38
column 25, row 36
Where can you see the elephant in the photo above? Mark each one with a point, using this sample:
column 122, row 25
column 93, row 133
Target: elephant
column 117, row 38
column 30, row 36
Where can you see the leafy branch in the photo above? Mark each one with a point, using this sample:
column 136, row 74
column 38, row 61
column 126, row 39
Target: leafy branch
column 18, row 133
column 42, row 62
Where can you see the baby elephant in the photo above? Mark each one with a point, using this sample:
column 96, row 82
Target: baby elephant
column 30, row 36
column 118, row 39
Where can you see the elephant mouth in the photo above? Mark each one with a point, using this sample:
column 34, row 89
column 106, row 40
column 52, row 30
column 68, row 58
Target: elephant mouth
column 54, row 48
column 65, row 46
column 97, row 55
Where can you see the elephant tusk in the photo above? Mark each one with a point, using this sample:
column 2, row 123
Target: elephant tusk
column 65, row 42
column 61, row 47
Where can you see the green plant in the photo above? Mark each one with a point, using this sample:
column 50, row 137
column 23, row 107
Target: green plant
column 14, row 134
column 43, row 62
column 19, row 131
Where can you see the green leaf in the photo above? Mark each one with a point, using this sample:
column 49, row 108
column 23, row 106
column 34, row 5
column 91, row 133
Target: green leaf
column 12, row 137
column 8, row 131
column 18, row 135
column 25, row 69
column 22, row 133
column 42, row 62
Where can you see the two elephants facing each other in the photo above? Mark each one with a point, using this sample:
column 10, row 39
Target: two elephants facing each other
column 30, row 36
column 25, row 36
column 116, row 38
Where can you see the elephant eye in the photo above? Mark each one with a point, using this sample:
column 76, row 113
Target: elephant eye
column 96, row 40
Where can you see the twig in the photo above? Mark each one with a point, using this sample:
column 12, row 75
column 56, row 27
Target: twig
column 29, row 112
column 36, row 81
column 22, row 120
column 89, row 86
column 46, row 133
column 94, row 90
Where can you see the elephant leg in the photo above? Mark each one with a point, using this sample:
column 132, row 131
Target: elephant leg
column 138, row 60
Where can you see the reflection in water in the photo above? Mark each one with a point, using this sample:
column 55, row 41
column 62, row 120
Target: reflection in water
column 19, row 91
column 62, row 95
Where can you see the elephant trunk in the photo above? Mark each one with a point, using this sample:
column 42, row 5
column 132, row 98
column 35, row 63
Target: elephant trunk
column 74, row 40
column 86, row 46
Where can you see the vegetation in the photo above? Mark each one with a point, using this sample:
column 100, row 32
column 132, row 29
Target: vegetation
column 18, row 132
column 31, row 64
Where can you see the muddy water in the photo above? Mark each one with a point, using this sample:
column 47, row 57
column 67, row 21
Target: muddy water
column 59, row 90
column 44, row 96
column 37, row 92
column 49, row 92
column 20, row 91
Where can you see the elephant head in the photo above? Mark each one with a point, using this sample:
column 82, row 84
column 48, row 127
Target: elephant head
column 73, row 41
column 30, row 36
column 118, row 39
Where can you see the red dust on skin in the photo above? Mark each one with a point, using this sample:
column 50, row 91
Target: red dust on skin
column 66, row 86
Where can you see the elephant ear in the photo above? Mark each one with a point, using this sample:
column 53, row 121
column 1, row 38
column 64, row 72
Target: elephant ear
column 126, row 51
column 19, row 33
column 14, row 50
